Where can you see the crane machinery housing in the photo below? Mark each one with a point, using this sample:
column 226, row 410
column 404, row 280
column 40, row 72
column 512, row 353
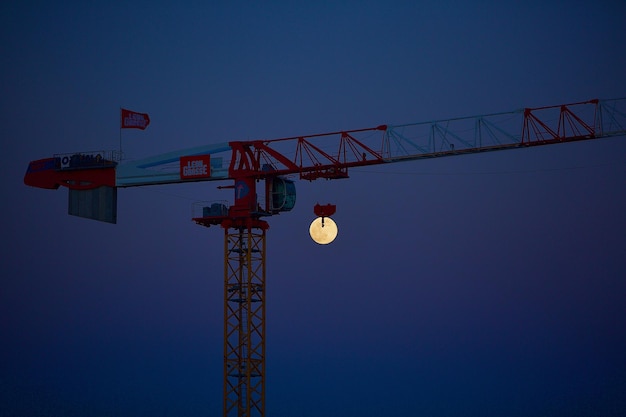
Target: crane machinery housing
column 262, row 173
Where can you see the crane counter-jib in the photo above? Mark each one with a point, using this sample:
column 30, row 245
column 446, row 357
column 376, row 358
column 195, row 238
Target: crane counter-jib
column 86, row 170
column 203, row 163
column 94, row 177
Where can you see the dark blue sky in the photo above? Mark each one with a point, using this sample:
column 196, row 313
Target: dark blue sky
column 483, row 285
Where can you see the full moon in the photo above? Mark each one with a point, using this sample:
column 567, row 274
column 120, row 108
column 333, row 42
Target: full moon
column 323, row 234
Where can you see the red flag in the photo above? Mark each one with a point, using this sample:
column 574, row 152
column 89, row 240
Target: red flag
column 134, row 120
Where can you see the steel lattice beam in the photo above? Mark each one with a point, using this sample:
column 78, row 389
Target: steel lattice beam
column 244, row 322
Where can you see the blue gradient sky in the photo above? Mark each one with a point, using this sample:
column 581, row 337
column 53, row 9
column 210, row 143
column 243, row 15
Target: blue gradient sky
column 485, row 285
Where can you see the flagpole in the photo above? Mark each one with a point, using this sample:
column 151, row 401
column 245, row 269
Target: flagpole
column 121, row 134
column 131, row 120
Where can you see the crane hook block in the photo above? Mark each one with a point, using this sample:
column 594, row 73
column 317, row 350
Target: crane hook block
column 324, row 211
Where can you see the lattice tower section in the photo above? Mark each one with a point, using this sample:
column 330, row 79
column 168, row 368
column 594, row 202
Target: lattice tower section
column 244, row 322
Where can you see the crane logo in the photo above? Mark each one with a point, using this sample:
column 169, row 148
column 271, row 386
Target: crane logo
column 134, row 120
column 192, row 167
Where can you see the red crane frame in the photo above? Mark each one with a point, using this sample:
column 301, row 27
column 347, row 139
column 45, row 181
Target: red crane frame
column 304, row 156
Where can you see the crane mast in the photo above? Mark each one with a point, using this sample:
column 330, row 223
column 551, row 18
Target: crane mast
column 93, row 178
column 244, row 320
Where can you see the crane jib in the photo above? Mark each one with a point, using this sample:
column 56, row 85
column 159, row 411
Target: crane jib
column 330, row 155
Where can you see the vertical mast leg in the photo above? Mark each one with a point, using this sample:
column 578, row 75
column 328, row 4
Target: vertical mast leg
column 244, row 321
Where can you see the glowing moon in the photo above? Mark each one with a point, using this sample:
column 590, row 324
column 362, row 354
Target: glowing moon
column 323, row 234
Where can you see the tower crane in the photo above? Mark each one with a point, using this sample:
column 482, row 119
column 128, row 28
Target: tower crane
column 262, row 174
